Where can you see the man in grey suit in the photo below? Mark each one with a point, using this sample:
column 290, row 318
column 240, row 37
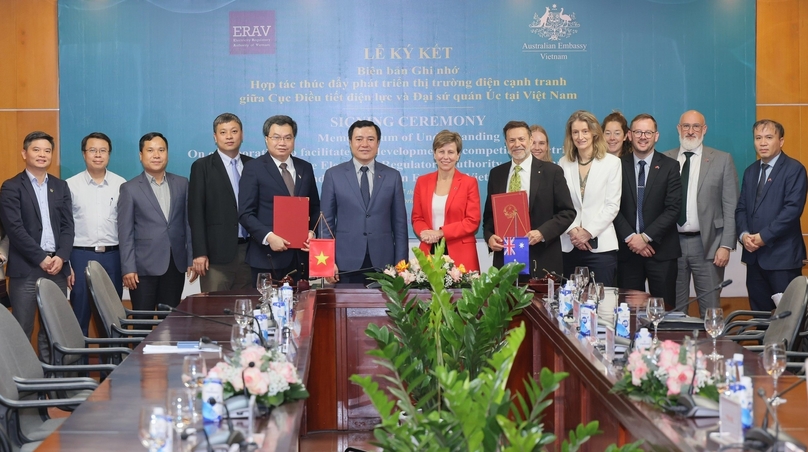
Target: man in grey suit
column 153, row 231
column 363, row 204
column 706, row 222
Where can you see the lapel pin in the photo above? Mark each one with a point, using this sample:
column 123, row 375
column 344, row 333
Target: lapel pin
column 51, row 190
column 656, row 167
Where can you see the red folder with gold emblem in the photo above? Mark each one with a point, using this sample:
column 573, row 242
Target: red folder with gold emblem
column 511, row 217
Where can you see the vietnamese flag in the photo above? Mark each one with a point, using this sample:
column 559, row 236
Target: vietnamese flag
column 321, row 258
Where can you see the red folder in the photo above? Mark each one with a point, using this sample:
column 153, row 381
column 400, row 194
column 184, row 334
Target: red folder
column 511, row 217
column 291, row 219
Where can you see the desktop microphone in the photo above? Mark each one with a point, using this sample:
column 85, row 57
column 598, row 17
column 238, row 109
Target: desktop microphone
column 360, row 270
column 233, row 437
column 691, row 404
column 562, row 278
column 714, row 289
column 173, row 309
column 255, row 322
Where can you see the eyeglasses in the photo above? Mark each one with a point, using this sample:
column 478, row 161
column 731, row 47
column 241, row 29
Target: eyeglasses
column 643, row 133
column 279, row 139
column 95, row 151
column 687, row 127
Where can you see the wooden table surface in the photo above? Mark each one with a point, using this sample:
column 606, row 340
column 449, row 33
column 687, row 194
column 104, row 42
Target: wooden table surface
column 108, row 420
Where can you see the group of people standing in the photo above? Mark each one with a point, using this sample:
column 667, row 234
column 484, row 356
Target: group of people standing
column 612, row 203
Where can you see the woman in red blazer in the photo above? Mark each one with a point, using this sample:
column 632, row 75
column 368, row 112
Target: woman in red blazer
column 446, row 204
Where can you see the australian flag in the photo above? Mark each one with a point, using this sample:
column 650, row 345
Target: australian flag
column 516, row 250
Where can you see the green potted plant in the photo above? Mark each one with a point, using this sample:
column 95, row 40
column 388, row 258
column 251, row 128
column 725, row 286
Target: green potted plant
column 450, row 362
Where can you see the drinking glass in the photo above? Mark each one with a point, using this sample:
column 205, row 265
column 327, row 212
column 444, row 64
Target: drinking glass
column 774, row 361
column 243, row 309
column 181, row 408
column 154, row 428
column 584, row 272
column 601, row 291
column 262, row 282
column 714, row 324
column 193, row 372
column 240, row 338
column 720, row 377
column 655, row 311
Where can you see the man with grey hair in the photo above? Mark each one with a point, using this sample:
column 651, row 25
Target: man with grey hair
column 706, row 223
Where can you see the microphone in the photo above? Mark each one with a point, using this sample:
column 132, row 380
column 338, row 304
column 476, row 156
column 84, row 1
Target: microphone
column 234, row 436
column 690, row 404
column 562, row 278
column 166, row 307
column 700, row 297
column 255, row 322
column 366, row 269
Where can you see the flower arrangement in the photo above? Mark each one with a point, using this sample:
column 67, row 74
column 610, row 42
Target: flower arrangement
column 265, row 373
column 413, row 275
column 658, row 375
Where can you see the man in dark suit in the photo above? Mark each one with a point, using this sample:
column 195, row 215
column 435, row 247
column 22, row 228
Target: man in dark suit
column 155, row 240
column 36, row 212
column 276, row 173
column 219, row 242
column 649, row 208
column 549, row 201
column 363, row 204
column 706, row 223
column 768, row 217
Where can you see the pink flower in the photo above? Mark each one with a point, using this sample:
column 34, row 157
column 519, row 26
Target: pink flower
column 390, row 271
column 407, row 276
column 255, row 381
column 678, row 375
column 668, row 359
column 639, row 373
column 414, row 265
column 455, row 274
column 448, row 259
column 285, row 370
column 253, row 353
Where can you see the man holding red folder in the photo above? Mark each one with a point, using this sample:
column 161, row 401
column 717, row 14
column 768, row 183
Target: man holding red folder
column 550, row 206
column 276, row 174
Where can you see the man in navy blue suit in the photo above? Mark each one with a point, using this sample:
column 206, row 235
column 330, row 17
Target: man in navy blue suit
column 36, row 211
column 768, row 217
column 276, row 173
column 363, row 203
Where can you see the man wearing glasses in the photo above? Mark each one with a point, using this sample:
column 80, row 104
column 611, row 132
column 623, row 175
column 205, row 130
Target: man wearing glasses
column 706, row 222
column 275, row 173
column 649, row 208
column 95, row 214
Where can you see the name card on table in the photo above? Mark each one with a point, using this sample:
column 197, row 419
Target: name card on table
column 610, row 344
column 729, row 411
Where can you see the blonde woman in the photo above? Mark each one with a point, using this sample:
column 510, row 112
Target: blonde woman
column 541, row 143
column 594, row 178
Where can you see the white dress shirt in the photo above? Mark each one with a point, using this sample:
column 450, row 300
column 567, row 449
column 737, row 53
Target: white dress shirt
column 95, row 209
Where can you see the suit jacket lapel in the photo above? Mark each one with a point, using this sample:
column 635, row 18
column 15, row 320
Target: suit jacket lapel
column 221, row 173
column 378, row 181
column 274, row 172
column 353, row 183
column 653, row 170
column 628, row 174
column 704, row 168
column 145, row 187
column 452, row 191
column 772, row 177
column 536, row 167
column 26, row 184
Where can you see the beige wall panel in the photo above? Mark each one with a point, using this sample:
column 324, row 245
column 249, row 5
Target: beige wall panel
column 14, row 126
column 779, row 24
column 37, row 49
column 8, row 70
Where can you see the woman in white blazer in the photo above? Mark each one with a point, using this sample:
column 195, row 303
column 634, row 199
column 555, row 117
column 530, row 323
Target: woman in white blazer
column 595, row 180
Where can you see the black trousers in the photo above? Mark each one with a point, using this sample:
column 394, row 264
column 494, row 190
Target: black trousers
column 661, row 275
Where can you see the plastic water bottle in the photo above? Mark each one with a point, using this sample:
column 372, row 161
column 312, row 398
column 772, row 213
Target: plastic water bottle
column 565, row 299
column 287, row 295
column 623, row 329
column 643, row 341
column 586, row 328
column 747, row 416
column 212, row 388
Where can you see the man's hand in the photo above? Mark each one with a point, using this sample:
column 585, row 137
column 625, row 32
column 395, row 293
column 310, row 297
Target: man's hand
column 721, row 257
column 201, row 265
column 749, row 243
column 45, row 264
column 191, row 274
column 495, row 243
column 637, row 244
column 71, row 279
column 306, row 243
column 757, row 240
column 534, row 237
column 130, row 281
column 56, row 264
column 277, row 243
column 648, row 251
column 335, row 278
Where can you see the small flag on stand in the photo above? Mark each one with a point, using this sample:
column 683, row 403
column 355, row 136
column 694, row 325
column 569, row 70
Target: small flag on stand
column 516, row 250
column 321, row 258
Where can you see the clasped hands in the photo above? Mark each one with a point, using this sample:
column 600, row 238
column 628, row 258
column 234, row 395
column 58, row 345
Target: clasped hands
column 637, row 244
column 752, row 242
column 580, row 238
column 431, row 236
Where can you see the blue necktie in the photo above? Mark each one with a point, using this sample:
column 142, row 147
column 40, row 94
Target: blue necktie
column 242, row 233
column 640, row 196
column 364, row 186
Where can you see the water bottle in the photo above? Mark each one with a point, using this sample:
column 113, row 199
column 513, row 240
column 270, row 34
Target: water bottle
column 565, row 299
column 287, row 295
column 643, row 340
column 747, row 416
column 586, row 327
column 212, row 388
column 623, row 328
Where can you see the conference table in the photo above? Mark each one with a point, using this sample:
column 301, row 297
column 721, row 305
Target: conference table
column 109, row 418
column 331, row 345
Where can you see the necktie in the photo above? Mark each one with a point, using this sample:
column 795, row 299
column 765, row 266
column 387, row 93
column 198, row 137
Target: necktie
column 516, row 180
column 761, row 181
column 287, row 179
column 640, row 196
column 242, row 233
column 364, row 186
column 685, row 179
